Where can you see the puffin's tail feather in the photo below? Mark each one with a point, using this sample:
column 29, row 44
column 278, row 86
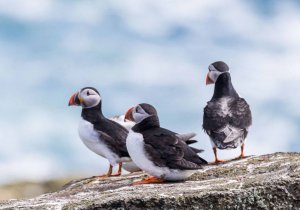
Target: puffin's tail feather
column 192, row 141
column 197, row 150
column 203, row 161
column 187, row 136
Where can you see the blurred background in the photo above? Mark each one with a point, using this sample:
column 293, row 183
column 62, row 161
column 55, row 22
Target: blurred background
column 137, row 51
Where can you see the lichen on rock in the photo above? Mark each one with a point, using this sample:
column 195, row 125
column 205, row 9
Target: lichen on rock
column 259, row 182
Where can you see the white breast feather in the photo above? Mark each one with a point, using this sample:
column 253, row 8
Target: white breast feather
column 121, row 120
column 92, row 140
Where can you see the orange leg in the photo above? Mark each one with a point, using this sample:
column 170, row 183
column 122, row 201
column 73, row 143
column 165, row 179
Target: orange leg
column 242, row 151
column 149, row 180
column 119, row 171
column 109, row 172
column 216, row 157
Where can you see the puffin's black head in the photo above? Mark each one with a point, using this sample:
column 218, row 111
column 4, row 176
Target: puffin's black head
column 140, row 112
column 87, row 97
column 215, row 70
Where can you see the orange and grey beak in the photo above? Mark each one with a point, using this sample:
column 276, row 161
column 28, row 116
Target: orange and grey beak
column 128, row 115
column 74, row 100
column 208, row 80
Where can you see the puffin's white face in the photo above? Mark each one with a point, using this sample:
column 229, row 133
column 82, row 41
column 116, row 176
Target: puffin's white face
column 139, row 114
column 212, row 75
column 89, row 98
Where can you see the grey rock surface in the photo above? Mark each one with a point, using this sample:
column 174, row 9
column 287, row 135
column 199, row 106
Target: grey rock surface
column 259, row 182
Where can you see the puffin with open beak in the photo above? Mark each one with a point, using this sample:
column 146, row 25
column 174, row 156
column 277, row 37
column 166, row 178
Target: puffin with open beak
column 101, row 135
column 227, row 117
column 161, row 153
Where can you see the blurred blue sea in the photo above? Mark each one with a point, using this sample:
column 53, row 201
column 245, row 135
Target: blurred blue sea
column 142, row 51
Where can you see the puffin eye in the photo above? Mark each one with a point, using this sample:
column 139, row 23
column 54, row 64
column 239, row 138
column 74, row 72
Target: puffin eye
column 138, row 109
column 88, row 93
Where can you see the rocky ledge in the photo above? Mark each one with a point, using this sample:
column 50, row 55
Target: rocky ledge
column 259, row 182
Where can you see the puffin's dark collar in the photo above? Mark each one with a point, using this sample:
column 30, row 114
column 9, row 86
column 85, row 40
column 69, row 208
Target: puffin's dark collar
column 149, row 122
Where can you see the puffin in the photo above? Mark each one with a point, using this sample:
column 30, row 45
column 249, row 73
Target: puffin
column 128, row 166
column 103, row 136
column 161, row 153
column 120, row 119
column 227, row 116
column 128, row 124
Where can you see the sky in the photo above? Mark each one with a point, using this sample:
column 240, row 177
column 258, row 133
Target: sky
column 150, row 51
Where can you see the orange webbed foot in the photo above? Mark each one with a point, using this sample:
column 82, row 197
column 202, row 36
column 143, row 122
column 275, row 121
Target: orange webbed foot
column 116, row 174
column 101, row 177
column 217, row 161
column 107, row 175
column 149, row 180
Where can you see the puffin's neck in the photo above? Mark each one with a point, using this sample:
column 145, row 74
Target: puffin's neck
column 93, row 114
column 149, row 122
column 224, row 87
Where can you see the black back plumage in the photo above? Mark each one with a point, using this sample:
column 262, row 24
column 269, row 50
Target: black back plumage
column 224, row 87
column 226, row 114
column 113, row 134
column 165, row 149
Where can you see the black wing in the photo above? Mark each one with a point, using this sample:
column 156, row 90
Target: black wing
column 241, row 114
column 118, row 147
column 114, row 136
column 165, row 149
column 213, row 118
